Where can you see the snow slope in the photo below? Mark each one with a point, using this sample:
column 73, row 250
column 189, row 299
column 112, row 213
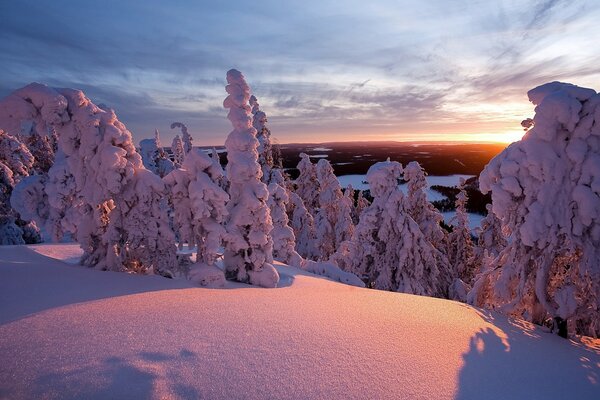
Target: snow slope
column 70, row 332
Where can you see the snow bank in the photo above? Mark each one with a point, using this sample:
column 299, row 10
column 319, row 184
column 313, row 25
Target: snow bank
column 70, row 332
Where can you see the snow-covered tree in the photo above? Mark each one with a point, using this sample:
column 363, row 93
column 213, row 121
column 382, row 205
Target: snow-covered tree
column 304, row 227
column 199, row 206
column 284, row 240
column 461, row 251
column 546, row 191
column 104, row 176
column 263, row 135
column 16, row 162
column 419, row 208
column 307, row 184
column 154, row 156
column 177, row 150
column 490, row 238
column 41, row 149
column 333, row 220
column 186, row 138
column 387, row 249
column 248, row 248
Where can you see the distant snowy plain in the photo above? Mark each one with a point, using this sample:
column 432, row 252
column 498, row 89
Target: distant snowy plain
column 70, row 332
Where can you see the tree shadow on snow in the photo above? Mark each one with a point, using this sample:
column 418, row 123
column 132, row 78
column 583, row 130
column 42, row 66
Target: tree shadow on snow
column 515, row 360
column 31, row 282
column 147, row 375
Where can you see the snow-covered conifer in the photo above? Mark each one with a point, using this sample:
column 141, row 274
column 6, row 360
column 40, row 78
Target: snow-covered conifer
column 461, row 252
column 490, row 237
column 419, row 208
column 15, row 155
column 102, row 183
column 249, row 248
column 186, row 138
column 546, row 192
column 387, row 249
column 307, row 184
column 199, row 213
column 361, row 204
column 284, row 240
column 263, row 135
column 177, row 150
column 302, row 222
column 333, row 220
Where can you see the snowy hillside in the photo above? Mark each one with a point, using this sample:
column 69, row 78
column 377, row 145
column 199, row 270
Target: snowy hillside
column 72, row 332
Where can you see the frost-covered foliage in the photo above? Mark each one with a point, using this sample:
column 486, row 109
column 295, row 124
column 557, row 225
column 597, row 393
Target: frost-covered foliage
column 419, row 208
column 92, row 189
column 199, row 205
column 178, row 152
column 249, row 248
column 307, row 184
column 303, row 225
column 490, row 238
column 41, row 149
column 16, row 162
column 263, row 135
column 284, row 240
column 461, row 251
column 140, row 221
column 15, row 155
column 186, row 138
column 546, row 191
column 216, row 171
column 154, row 156
column 334, row 218
column 387, row 249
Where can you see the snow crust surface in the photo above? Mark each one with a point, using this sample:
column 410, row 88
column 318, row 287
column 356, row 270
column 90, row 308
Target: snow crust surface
column 71, row 332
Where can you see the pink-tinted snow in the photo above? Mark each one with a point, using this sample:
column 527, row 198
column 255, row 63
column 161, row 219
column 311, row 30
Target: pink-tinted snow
column 71, row 332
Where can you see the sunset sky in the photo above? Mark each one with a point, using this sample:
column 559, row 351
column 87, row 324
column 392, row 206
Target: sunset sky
column 322, row 70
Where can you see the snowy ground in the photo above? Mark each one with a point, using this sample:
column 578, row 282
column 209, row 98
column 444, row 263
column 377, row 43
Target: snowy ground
column 70, row 332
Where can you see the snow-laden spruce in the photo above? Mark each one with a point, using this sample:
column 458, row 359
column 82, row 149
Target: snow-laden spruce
column 16, row 163
column 186, row 138
column 199, row 208
column 303, row 224
column 154, row 156
column 248, row 247
column 546, row 191
column 263, row 135
column 334, row 218
column 177, row 150
column 307, row 184
column 284, row 240
column 96, row 182
column 387, row 248
column 461, row 252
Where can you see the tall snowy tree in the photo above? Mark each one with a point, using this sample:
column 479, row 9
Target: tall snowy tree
column 99, row 153
column 419, row 208
column 249, row 248
column 302, row 222
column 490, row 238
column 263, row 135
column 284, row 240
column 307, row 184
column 177, row 150
column 334, row 218
column 199, row 206
column 461, row 251
column 546, row 191
column 186, row 138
